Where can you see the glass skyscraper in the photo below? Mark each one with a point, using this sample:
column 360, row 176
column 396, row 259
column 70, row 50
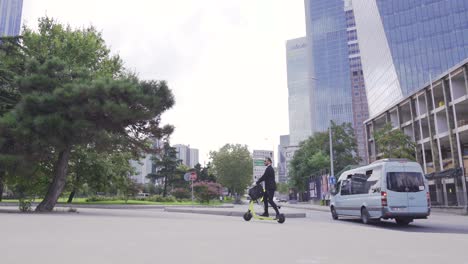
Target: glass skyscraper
column 405, row 44
column 10, row 17
column 299, row 99
column 358, row 88
column 329, row 70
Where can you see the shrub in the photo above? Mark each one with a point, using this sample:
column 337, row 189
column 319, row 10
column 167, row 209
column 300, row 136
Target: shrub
column 181, row 193
column 24, row 205
column 161, row 199
column 206, row 191
column 103, row 198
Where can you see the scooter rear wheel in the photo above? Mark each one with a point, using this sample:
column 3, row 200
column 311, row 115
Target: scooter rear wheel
column 247, row 216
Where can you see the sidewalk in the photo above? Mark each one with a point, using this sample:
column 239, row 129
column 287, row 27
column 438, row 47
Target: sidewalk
column 457, row 210
column 307, row 206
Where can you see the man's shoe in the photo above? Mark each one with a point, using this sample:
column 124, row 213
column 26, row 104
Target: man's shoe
column 265, row 215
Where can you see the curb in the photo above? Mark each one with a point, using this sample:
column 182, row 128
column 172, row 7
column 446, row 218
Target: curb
column 225, row 213
column 312, row 208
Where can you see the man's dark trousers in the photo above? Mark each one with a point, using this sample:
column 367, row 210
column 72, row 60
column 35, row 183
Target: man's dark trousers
column 268, row 198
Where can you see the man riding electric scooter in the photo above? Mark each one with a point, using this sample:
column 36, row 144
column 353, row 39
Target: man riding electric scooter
column 270, row 188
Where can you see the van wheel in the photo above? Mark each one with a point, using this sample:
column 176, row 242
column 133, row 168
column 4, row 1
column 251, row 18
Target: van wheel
column 365, row 217
column 402, row 221
column 333, row 213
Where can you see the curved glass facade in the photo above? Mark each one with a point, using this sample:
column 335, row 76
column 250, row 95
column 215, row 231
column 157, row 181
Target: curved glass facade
column 406, row 43
column 359, row 98
column 328, row 55
column 382, row 86
column 426, row 37
column 300, row 116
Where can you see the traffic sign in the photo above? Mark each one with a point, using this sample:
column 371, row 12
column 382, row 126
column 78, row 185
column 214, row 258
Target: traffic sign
column 193, row 176
column 187, row 176
column 332, row 180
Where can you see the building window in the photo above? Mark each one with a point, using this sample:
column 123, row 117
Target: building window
column 352, row 35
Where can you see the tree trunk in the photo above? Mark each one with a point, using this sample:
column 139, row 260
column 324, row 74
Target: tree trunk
column 2, row 176
column 58, row 183
column 72, row 194
column 165, row 186
column 76, row 183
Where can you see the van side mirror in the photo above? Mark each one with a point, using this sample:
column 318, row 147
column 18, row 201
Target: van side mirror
column 334, row 191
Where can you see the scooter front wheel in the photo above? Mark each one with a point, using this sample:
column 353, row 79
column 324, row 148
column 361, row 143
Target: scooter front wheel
column 247, row 216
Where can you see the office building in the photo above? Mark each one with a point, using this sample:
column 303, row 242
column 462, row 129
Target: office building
column 436, row 118
column 328, row 63
column 358, row 87
column 406, row 44
column 299, row 92
column 10, row 17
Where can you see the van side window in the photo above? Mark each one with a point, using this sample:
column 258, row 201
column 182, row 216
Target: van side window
column 338, row 187
column 373, row 182
column 346, row 187
column 359, row 183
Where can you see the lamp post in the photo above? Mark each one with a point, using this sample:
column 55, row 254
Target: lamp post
column 331, row 179
column 331, row 149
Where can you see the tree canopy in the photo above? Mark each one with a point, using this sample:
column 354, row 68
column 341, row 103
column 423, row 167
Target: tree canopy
column 393, row 143
column 167, row 167
column 72, row 92
column 233, row 167
column 313, row 154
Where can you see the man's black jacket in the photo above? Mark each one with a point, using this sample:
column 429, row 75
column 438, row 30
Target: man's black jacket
column 269, row 178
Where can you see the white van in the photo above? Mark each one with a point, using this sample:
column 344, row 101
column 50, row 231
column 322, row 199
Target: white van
column 386, row 189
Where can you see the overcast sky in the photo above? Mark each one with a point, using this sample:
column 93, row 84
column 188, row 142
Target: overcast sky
column 224, row 60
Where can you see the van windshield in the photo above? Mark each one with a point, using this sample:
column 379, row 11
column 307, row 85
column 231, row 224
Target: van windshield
column 405, row 181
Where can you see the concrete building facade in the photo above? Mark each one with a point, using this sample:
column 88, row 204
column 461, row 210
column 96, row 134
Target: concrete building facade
column 188, row 156
column 436, row 118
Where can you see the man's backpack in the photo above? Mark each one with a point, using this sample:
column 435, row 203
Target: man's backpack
column 256, row 192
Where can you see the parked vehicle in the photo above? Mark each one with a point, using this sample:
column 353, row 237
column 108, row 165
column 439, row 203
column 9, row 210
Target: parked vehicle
column 386, row 189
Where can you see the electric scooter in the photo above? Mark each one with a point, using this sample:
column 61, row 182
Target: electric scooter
column 251, row 212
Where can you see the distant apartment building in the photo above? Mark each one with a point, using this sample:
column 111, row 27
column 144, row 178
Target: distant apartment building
column 282, row 164
column 285, row 155
column 145, row 165
column 194, row 159
column 142, row 167
column 10, row 17
column 188, row 156
column 258, row 158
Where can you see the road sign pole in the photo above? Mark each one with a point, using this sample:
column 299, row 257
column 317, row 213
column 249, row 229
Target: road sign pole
column 192, row 192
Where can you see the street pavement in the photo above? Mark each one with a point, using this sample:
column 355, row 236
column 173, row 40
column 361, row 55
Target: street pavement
column 158, row 236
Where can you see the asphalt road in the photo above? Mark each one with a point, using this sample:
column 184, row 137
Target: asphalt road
column 155, row 236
